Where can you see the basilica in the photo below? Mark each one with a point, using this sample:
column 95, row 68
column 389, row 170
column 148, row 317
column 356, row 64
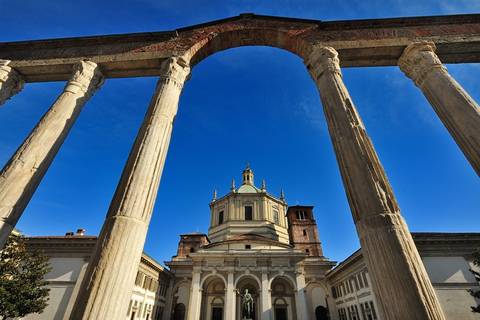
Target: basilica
column 256, row 243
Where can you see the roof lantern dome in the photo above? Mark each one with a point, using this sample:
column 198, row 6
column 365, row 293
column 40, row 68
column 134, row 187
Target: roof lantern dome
column 247, row 183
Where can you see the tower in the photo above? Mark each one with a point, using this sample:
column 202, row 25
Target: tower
column 303, row 231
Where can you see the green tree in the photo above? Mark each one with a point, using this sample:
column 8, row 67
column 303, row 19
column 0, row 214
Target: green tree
column 22, row 289
column 476, row 293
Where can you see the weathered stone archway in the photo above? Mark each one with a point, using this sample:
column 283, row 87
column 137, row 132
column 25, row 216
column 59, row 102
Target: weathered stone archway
column 387, row 245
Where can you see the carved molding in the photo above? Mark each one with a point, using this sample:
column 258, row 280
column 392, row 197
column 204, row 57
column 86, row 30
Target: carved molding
column 219, row 263
column 245, row 262
column 418, row 59
column 321, row 60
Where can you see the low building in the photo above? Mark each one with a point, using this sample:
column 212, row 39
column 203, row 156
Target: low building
column 69, row 256
column 447, row 258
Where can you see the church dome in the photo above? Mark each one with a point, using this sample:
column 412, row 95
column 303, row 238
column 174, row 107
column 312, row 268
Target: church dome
column 248, row 188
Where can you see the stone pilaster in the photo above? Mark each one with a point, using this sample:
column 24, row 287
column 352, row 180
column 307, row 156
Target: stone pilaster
column 193, row 312
column 230, row 296
column 24, row 171
column 266, row 303
column 11, row 82
column 300, row 298
column 110, row 276
column 456, row 109
column 391, row 257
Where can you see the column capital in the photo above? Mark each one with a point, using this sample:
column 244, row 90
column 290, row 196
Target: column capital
column 176, row 69
column 321, row 60
column 418, row 59
column 86, row 77
column 11, row 82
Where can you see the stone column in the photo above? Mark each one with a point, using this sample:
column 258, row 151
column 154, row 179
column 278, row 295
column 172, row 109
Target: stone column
column 24, row 171
column 266, row 303
column 230, row 296
column 390, row 254
column 457, row 110
column 11, row 82
column 110, row 276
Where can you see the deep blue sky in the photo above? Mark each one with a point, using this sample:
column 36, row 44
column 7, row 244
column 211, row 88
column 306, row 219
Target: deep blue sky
column 253, row 104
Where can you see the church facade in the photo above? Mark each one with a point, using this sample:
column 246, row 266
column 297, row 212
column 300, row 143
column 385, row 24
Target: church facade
column 258, row 245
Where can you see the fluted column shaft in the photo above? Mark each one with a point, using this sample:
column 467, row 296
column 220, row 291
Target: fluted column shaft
column 109, row 280
column 24, row 171
column 11, row 82
column 456, row 109
column 390, row 254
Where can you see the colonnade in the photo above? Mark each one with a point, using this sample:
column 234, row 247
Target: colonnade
column 390, row 254
column 264, row 307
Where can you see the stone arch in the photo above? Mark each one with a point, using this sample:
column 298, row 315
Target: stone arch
column 253, row 286
column 249, row 276
column 314, row 297
column 283, row 297
column 213, row 297
column 247, row 30
column 202, row 282
column 181, row 295
column 292, row 281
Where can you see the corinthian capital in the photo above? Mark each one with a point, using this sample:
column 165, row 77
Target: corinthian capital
column 86, row 77
column 322, row 60
column 418, row 59
column 11, row 82
column 176, row 69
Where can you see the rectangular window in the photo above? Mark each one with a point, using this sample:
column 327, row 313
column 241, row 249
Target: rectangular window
column 248, row 213
column 248, row 246
column 275, row 216
column 220, row 217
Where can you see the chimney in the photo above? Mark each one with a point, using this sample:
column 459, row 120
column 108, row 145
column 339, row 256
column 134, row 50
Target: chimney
column 80, row 232
column 69, row 234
